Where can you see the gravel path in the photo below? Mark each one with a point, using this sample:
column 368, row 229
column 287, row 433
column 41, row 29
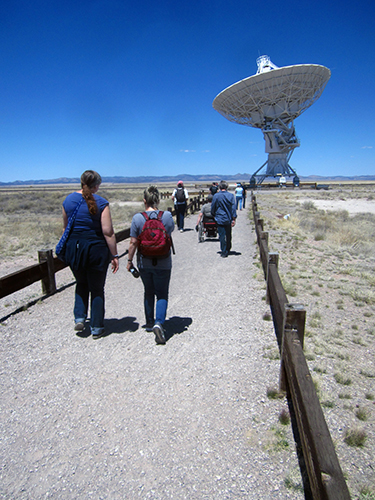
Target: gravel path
column 122, row 417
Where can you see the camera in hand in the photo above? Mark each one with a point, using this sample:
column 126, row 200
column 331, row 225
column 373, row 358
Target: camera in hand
column 134, row 271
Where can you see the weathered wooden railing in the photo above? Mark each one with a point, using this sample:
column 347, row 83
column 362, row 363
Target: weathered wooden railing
column 326, row 480
column 49, row 265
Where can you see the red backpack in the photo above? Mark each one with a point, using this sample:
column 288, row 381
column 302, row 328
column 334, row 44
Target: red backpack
column 154, row 241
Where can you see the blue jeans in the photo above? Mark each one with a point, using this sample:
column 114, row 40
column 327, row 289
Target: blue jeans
column 156, row 283
column 225, row 237
column 90, row 282
column 238, row 201
column 180, row 213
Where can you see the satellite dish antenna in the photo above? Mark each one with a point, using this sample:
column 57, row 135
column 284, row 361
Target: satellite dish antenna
column 271, row 100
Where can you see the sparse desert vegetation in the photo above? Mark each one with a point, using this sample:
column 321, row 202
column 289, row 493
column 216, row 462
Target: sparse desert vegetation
column 327, row 263
column 30, row 217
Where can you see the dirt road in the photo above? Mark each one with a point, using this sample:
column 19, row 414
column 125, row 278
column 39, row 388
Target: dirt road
column 124, row 418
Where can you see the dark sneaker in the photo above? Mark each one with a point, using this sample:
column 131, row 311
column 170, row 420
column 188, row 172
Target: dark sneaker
column 159, row 333
column 98, row 335
column 148, row 327
column 79, row 327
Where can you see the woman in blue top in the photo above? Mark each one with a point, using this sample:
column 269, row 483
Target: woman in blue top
column 89, row 250
column 239, row 195
column 155, row 273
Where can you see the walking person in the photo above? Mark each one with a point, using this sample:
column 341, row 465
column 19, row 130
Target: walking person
column 223, row 208
column 239, row 195
column 180, row 198
column 155, row 270
column 90, row 248
column 244, row 196
column 214, row 188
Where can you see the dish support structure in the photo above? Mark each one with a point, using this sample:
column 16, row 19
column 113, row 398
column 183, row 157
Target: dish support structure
column 280, row 142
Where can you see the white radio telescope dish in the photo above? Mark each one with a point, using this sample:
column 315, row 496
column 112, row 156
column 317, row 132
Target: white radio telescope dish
column 270, row 100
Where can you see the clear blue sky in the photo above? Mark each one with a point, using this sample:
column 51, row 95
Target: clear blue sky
column 126, row 87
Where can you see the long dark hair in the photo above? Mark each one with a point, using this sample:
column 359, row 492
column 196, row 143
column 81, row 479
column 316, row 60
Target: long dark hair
column 89, row 180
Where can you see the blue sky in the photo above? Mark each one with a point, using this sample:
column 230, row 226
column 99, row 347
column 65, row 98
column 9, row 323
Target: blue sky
column 126, row 88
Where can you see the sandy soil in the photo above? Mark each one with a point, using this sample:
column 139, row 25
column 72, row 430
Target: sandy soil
column 357, row 206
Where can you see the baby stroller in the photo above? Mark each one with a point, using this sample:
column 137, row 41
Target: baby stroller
column 207, row 227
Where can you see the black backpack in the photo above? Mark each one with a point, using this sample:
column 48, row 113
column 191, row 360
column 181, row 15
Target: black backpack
column 180, row 195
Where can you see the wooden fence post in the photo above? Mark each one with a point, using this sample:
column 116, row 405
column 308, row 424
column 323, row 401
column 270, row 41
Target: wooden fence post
column 294, row 320
column 48, row 283
column 263, row 247
column 273, row 258
column 259, row 229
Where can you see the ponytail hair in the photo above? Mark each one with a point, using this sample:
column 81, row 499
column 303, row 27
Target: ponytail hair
column 89, row 180
column 151, row 196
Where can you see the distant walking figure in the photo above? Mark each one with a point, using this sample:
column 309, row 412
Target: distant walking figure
column 239, row 195
column 223, row 208
column 180, row 198
column 244, row 196
column 214, row 188
column 89, row 250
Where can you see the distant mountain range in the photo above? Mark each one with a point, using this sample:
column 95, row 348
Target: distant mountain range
column 184, row 177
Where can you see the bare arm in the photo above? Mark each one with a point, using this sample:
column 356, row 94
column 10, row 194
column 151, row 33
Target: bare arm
column 109, row 235
column 65, row 218
column 132, row 249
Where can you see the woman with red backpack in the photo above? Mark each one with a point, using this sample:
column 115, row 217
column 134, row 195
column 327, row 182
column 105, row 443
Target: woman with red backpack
column 150, row 236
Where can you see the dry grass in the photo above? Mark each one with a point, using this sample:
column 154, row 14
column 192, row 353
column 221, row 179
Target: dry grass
column 327, row 263
column 31, row 220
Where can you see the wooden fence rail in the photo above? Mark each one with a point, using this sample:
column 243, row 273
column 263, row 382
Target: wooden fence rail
column 49, row 265
column 325, row 477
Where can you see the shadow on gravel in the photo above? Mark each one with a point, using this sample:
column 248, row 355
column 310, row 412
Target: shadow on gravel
column 176, row 325
column 232, row 253
column 114, row 325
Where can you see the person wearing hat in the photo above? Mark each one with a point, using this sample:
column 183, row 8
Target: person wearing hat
column 180, row 198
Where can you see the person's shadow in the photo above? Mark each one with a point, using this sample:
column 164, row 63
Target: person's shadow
column 176, row 325
column 122, row 325
column 173, row 326
column 113, row 325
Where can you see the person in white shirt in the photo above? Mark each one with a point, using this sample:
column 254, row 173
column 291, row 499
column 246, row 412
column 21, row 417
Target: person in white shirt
column 180, row 198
